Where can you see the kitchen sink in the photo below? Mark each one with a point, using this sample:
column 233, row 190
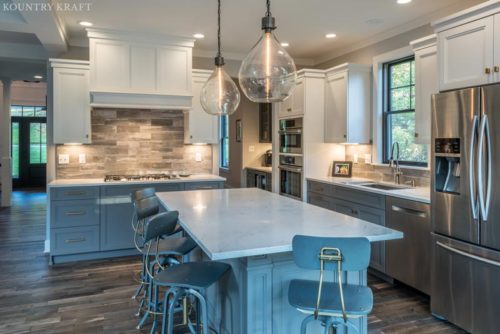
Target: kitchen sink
column 383, row 186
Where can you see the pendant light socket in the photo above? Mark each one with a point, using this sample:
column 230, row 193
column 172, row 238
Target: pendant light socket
column 268, row 23
column 219, row 61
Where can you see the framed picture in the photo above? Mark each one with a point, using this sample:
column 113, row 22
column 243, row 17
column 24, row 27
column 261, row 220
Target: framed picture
column 342, row 168
column 239, row 130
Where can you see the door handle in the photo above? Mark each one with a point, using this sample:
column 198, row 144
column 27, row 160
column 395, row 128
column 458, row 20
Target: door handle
column 484, row 201
column 409, row 211
column 75, row 193
column 487, row 70
column 471, row 256
column 472, row 196
column 75, row 213
column 72, row 241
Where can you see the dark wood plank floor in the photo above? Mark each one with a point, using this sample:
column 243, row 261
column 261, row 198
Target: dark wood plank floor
column 94, row 296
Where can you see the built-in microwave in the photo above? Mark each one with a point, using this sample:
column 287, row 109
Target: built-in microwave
column 291, row 176
column 291, row 135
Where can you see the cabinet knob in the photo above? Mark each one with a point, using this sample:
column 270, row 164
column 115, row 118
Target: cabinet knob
column 289, row 109
column 87, row 135
column 416, row 135
column 345, row 136
column 191, row 137
column 487, row 70
column 496, row 69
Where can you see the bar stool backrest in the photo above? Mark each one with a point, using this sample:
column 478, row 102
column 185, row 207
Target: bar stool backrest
column 146, row 207
column 161, row 225
column 355, row 252
column 143, row 193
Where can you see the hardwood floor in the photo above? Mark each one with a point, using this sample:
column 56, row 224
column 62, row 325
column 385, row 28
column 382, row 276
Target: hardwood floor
column 94, row 296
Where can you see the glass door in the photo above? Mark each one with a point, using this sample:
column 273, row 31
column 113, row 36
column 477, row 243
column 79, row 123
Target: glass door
column 29, row 146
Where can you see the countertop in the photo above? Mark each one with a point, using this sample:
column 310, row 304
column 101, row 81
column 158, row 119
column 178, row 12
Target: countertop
column 420, row 194
column 261, row 169
column 100, row 182
column 236, row 223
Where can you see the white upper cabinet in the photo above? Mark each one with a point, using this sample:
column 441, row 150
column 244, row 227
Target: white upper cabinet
column 469, row 47
column 134, row 70
column 426, row 84
column 347, row 104
column 200, row 127
column 70, row 101
column 294, row 105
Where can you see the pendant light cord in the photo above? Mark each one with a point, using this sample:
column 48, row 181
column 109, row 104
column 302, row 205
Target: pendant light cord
column 268, row 5
column 218, row 29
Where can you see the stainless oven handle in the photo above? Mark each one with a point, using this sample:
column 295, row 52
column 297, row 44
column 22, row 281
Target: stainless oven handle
column 291, row 132
column 474, row 257
column 291, row 169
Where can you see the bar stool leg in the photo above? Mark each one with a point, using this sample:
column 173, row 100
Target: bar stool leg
column 171, row 308
column 303, row 327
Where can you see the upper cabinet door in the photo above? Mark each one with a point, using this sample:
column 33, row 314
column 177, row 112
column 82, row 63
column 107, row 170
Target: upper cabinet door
column 466, row 55
column 71, row 105
column 336, row 108
column 109, row 66
column 496, row 45
column 426, row 84
column 174, row 70
column 200, row 127
column 294, row 105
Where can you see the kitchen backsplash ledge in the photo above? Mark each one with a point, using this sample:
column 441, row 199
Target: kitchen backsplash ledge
column 131, row 141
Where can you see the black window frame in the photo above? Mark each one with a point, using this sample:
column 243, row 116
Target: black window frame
column 224, row 137
column 386, row 133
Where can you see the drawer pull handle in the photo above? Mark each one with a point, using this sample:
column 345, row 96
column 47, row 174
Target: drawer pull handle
column 75, row 213
column 496, row 69
column 205, row 187
column 75, row 193
column 73, row 241
column 487, row 70
column 418, row 213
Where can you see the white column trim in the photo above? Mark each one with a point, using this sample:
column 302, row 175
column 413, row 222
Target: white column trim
column 5, row 136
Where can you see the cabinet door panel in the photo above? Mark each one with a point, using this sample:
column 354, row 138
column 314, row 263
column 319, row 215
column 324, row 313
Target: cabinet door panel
column 320, row 200
column 426, row 82
column 110, row 65
column 142, row 68
column 496, row 52
column 71, row 106
column 174, row 70
column 298, row 99
column 336, row 108
column 464, row 54
column 375, row 216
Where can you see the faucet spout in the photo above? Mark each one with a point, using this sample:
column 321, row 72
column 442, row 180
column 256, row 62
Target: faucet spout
column 396, row 169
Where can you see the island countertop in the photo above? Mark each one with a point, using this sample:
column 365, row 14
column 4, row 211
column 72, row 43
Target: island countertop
column 236, row 223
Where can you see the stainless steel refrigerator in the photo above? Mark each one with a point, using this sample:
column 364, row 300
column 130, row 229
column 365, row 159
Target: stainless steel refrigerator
column 465, row 212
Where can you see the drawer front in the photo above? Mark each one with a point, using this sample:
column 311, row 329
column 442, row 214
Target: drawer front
column 74, row 240
column 360, row 197
column 127, row 189
column 320, row 188
column 73, row 193
column 320, row 200
column 203, row 185
column 169, row 187
column 74, row 213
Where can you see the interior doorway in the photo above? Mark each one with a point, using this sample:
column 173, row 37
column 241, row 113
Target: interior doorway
column 29, row 146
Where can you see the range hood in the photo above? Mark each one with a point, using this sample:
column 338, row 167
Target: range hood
column 139, row 70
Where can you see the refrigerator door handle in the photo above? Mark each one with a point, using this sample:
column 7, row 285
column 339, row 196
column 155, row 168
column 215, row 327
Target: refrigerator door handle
column 472, row 196
column 471, row 256
column 484, row 201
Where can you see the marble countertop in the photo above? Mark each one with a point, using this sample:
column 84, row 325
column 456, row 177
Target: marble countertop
column 100, row 182
column 261, row 168
column 420, row 194
column 236, row 223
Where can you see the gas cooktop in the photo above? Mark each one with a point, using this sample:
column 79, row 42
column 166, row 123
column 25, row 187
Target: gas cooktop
column 143, row 177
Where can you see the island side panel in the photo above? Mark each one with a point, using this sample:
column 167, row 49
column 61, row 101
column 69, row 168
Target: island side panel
column 253, row 298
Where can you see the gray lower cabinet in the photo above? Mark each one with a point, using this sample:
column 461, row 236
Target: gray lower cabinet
column 363, row 205
column 259, row 179
column 94, row 219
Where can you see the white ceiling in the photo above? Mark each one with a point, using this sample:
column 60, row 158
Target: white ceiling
column 302, row 23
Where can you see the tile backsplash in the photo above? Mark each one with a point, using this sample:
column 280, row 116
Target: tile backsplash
column 382, row 172
column 131, row 141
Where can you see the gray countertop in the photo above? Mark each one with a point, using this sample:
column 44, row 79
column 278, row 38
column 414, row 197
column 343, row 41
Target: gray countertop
column 236, row 223
column 420, row 194
column 100, row 182
column 261, row 169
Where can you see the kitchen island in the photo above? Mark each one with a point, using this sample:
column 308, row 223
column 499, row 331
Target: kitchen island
column 252, row 230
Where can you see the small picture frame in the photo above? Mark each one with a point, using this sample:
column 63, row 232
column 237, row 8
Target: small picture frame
column 342, row 169
column 239, row 131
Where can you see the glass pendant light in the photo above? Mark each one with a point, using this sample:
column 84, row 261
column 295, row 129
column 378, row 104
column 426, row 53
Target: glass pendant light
column 268, row 73
column 219, row 95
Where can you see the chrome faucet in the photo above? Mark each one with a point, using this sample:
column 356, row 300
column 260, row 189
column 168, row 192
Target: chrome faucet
column 397, row 170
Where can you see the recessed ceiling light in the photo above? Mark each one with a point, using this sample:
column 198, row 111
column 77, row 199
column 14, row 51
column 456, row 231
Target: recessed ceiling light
column 198, row 36
column 86, row 23
column 402, row 2
column 331, row 35
column 38, row 77
column 284, row 44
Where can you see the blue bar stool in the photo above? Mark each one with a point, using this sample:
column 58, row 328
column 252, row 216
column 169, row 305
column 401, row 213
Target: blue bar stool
column 186, row 280
column 332, row 303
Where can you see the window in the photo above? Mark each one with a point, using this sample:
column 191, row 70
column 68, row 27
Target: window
column 224, row 142
column 399, row 113
column 28, row 111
